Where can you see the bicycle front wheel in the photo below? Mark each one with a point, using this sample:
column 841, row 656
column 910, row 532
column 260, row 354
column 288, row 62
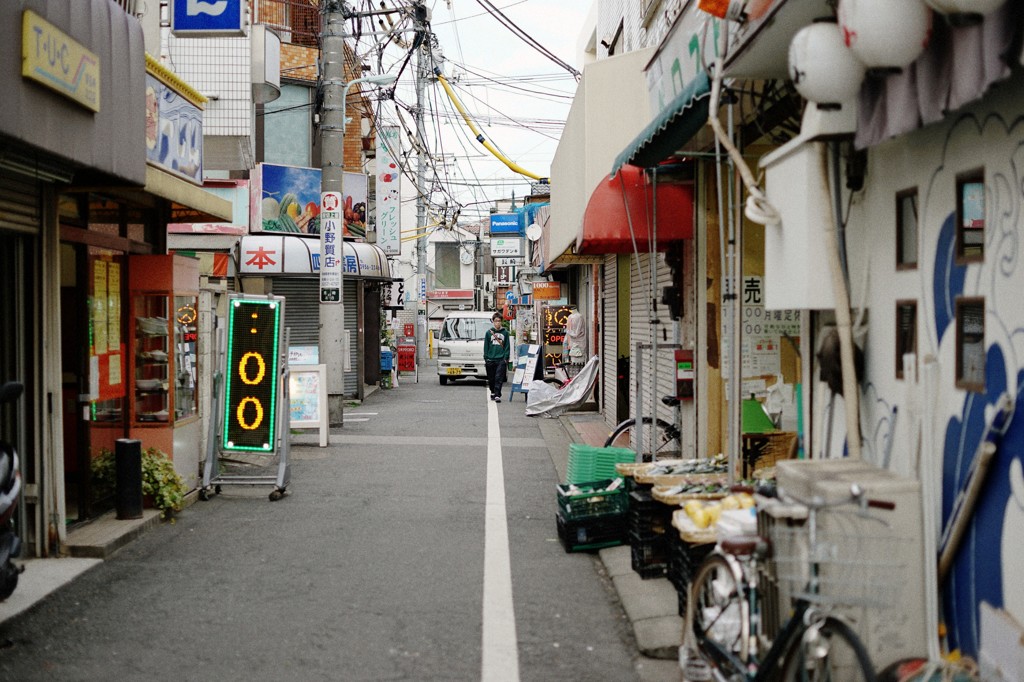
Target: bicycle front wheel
column 831, row 652
column 718, row 616
column 665, row 435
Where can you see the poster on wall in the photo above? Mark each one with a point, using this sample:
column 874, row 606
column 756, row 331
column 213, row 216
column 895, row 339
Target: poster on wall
column 287, row 199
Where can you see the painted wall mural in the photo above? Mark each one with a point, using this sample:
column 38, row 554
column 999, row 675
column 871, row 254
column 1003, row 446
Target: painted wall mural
column 989, row 564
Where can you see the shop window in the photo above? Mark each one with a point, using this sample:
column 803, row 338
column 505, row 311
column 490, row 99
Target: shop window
column 970, row 216
column 906, row 332
column 970, row 344
column 906, row 229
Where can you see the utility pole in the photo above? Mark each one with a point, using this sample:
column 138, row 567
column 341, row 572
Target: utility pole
column 333, row 346
column 422, row 73
column 332, row 161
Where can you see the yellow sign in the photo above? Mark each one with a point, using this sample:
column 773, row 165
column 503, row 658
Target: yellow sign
column 51, row 57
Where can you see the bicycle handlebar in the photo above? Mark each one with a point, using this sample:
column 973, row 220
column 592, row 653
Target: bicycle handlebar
column 856, row 496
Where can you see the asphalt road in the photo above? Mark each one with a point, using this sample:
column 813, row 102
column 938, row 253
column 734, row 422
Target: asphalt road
column 371, row 568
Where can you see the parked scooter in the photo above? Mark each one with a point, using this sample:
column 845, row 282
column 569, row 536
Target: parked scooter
column 10, row 489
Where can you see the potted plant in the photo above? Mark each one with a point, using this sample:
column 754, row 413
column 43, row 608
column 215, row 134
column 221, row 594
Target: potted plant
column 162, row 487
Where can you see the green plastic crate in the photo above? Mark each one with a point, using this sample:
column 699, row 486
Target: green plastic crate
column 590, row 500
column 593, row 463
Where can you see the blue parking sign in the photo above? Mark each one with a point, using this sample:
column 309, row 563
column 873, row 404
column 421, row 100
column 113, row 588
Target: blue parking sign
column 208, row 17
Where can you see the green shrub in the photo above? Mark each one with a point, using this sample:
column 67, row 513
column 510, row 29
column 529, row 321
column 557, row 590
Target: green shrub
column 160, row 481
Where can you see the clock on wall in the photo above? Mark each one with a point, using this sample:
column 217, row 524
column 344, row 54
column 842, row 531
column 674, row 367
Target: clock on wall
column 466, row 257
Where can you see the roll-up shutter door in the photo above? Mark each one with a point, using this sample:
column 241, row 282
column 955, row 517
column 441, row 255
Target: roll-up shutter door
column 640, row 333
column 352, row 327
column 302, row 317
column 19, row 204
column 609, row 340
column 301, row 308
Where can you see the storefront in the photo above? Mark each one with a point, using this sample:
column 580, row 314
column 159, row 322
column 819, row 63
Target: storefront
column 67, row 150
column 290, row 266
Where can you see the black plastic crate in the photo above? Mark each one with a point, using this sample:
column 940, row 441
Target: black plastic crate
column 648, row 518
column 683, row 560
column 592, row 533
column 649, row 558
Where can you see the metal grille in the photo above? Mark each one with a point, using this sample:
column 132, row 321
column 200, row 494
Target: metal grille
column 19, row 205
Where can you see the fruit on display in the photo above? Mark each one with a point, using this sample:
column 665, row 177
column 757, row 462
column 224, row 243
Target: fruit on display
column 706, row 514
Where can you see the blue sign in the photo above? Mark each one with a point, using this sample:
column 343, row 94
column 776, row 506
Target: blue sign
column 208, row 17
column 505, row 223
column 511, row 297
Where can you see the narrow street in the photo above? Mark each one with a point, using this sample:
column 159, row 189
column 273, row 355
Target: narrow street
column 371, row 568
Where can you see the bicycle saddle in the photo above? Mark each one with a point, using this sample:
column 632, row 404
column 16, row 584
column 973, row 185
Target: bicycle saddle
column 744, row 545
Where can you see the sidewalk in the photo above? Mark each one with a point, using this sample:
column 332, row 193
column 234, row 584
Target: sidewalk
column 652, row 605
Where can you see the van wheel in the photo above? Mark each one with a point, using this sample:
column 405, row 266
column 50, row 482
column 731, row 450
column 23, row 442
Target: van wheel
column 443, row 380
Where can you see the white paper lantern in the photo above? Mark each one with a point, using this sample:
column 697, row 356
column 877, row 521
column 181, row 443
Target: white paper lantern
column 965, row 12
column 886, row 35
column 823, row 69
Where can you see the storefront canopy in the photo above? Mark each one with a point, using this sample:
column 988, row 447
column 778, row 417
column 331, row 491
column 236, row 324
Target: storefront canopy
column 620, row 211
column 288, row 255
column 671, row 128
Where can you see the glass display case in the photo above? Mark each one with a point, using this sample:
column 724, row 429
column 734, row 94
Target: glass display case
column 163, row 379
column 164, row 353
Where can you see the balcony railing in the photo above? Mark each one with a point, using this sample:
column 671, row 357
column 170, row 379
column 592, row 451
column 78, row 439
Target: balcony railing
column 296, row 21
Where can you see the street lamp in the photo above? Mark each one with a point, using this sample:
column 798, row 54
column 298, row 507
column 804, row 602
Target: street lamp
column 332, row 179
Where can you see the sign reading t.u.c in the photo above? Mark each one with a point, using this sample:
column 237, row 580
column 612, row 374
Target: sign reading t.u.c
column 251, row 376
column 208, row 17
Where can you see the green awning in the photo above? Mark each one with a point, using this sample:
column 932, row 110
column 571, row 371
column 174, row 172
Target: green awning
column 673, row 127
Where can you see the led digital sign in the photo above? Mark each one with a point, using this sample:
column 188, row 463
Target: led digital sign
column 251, row 381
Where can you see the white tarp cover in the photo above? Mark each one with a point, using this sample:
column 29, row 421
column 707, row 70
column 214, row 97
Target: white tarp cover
column 545, row 400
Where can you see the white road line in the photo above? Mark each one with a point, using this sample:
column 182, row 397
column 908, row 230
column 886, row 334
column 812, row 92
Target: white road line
column 500, row 649
column 350, row 419
column 362, row 414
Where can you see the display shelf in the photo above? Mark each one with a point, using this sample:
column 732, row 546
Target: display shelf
column 164, row 376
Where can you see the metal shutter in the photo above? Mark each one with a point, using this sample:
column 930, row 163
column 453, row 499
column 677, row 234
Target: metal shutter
column 640, row 333
column 302, row 317
column 20, row 205
column 351, row 294
column 301, row 308
column 609, row 339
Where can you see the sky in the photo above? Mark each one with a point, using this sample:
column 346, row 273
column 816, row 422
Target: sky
column 518, row 97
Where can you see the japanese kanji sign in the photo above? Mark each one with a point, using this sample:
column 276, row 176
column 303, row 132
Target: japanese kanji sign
column 331, row 246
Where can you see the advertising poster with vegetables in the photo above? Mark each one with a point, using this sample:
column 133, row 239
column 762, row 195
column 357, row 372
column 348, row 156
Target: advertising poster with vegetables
column 286, row 199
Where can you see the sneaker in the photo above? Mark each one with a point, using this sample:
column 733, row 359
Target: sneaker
column 497, row 398
column 494, row 397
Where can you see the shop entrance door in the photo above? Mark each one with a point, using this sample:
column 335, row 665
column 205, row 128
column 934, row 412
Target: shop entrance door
column 93, row 364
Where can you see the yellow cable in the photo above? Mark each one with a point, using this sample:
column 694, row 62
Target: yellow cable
column 476, row 131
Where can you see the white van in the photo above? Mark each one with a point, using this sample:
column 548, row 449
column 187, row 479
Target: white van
column 460, row 345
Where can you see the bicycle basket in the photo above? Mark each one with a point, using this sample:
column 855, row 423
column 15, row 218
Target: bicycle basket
column 853, row 562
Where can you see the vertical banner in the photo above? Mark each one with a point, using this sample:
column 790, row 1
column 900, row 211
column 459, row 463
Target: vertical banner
column 330, row 247
column 389, row 184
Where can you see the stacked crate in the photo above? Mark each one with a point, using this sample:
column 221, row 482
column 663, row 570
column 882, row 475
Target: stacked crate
column 649, row 523
column 591, row 515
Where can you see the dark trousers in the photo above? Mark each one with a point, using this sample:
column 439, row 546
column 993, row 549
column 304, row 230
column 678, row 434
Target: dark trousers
column 496, row 373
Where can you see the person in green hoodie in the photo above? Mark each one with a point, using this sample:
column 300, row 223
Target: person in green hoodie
column 496, row 353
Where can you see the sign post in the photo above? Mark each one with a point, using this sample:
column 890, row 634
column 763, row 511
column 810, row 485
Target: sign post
column 252, row 415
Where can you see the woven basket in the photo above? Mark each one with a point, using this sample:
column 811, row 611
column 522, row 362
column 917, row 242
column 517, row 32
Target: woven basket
column 765, row 450
column 660, row 493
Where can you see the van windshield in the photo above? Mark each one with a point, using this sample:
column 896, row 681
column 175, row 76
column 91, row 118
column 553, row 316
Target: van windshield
column 465, row 328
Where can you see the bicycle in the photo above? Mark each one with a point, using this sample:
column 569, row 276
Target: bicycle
column 667, row 437
column 728, row 611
